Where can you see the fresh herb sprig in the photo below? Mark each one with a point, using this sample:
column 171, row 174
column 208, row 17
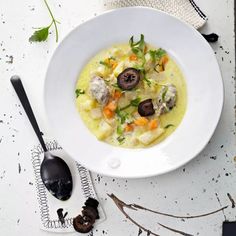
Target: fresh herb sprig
column 42, row 33
column 164, row 93
column 104, row 64
column 119, row 130
column 168, row 126
column 121, row 115
column 157, row 54
column 78, row 92
column 138, row 48
column 143, row 74
column 121, row 139
column 133, row 103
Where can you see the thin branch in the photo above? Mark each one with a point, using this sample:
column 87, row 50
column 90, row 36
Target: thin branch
column 175, row 230
column 178, row 216
column 121, row 206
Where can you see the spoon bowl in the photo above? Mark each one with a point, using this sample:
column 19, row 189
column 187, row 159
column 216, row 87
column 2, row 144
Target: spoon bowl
column 56, row 176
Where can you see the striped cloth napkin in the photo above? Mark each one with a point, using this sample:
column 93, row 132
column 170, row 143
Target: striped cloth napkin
column 186, row 10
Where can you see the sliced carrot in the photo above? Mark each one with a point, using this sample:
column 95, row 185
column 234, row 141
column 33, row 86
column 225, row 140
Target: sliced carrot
column 133, row 57
column 117, row 94
column 141, row 121
column 114, row 65
column 111, row 106
column 153, row 124
column 129, row 127
column 108, row 113
column 164, row 60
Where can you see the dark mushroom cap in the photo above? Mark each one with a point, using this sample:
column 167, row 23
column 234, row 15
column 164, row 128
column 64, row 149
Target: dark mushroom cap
column 91, row 202
column 128, row 78
column 90, row 212
column 83, row 224
column 145, row 108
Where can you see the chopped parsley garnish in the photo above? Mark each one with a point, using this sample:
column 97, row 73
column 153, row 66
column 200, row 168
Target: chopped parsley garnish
column 119, row 130
column 104, row 64
column 121, row 115
column 168, row 126
column 115, row 85
column 164, row 93
column 78, row 92
column 133, row 103
column 138, row 47
column 157, row 54
column 121, row 139
column 148, row 81
column 108, row 62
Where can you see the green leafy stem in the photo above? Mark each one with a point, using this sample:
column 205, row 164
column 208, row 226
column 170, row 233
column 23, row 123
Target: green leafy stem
column 42, row 34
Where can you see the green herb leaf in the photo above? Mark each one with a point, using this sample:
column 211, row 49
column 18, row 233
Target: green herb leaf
column 119, row 130
column 121, row 115
column 138, row 47
column 121, row 139
column 148, row 81
column 169, row 125
column 78, row 92
column 157, row 54
column 104, row 64
column 40, row 35
column 115, row 85
column 164, row 93
column 143, row 75
column 139, row 67
column 133, row 103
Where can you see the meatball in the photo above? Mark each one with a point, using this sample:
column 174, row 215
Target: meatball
column 99, row 90
column 166, row 99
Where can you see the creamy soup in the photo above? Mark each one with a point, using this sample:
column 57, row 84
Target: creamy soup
column 131, row 95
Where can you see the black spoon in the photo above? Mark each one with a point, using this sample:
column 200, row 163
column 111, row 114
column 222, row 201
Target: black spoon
column 55, row 173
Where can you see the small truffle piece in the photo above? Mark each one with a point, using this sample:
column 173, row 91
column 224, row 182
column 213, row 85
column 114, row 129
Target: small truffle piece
column 83, row 224
column 128, row 78
column 145, row 108
column 90, row 212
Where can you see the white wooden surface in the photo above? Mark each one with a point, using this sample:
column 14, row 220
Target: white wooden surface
column 190, row 189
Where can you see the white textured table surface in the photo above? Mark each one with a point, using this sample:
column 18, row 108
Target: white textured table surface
column 200, row 186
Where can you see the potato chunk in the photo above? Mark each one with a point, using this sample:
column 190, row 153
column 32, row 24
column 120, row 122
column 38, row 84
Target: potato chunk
column 96, row 113
column 104, row 130
column 150, row 136
column 86, row 103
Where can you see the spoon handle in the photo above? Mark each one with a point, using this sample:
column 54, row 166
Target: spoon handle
column 20, row 91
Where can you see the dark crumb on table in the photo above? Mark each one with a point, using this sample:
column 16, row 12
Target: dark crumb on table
column 61, row 216
column 10, row 61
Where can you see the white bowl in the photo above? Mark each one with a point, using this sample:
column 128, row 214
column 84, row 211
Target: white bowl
column 183, row 43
